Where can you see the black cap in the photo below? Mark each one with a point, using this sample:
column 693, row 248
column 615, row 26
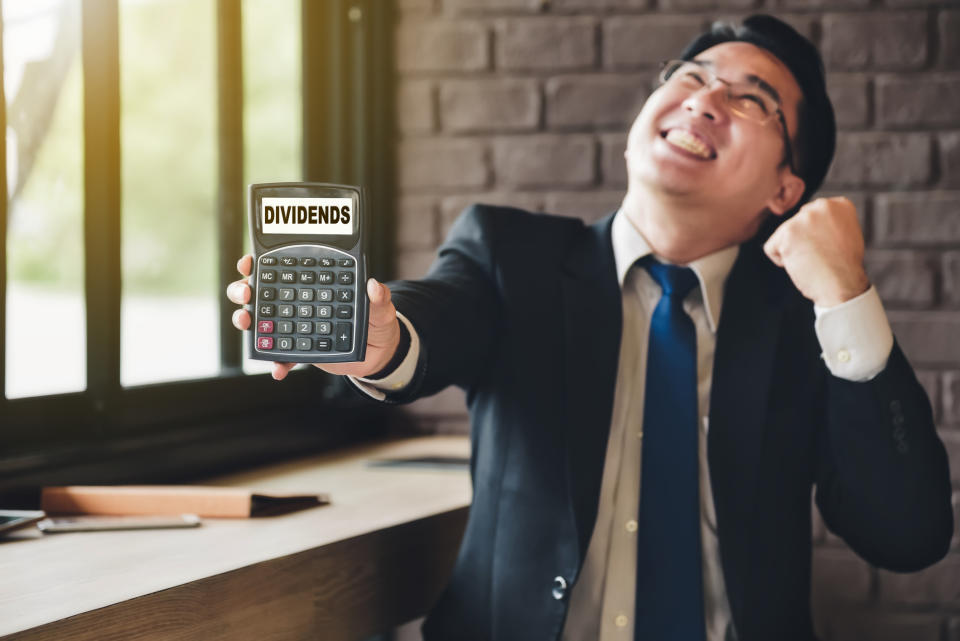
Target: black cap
column 816, row 135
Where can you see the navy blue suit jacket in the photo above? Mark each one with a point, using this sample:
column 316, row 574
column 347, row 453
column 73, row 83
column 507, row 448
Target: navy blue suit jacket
column 523, row 311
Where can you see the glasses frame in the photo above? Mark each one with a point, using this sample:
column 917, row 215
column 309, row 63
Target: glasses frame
column 664, row 78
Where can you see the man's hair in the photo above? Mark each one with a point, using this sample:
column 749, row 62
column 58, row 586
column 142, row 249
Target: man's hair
column 815, row 138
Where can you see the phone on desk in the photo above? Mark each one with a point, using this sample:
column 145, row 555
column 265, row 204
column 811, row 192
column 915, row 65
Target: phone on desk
column 58, row 524
column 309, row 274
column 11, row 520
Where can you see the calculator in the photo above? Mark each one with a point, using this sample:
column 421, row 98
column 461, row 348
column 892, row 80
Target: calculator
column 309, row 301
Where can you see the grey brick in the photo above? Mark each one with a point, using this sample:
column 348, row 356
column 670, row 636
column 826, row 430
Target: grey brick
column 645, row 41
column 416, row 222
column 931, row 100
column 415, row 106
column 588, row 206
column 928, row 337
column 416, row 7
column 613, row 166
column 546, row 43
column 442, row 46
column 951, row 397
column 600, row 100
column 949, row 144
column 840, row 575
column 927, row 218
column 413, row 264
column 873, row 625
column 545, row 160
column 955, row 501
column 495, row 6
column 441, row 163
column 951, row 277
column 452, row 206
column 497, row 104
column 902, row 278
column 951, row 441
column 848, row 92
column 824, row 4
column 930, row 380
column 949, row 57
column 881, row 159
column 881, row 40
column 937, row 584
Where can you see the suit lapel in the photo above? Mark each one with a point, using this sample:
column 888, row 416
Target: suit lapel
column 592, row 326
column 743, row 366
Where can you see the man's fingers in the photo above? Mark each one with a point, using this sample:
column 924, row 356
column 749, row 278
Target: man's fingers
column 245, row 265
column 238, row 292
column 280, row 370
column 772, row 249
column 241, row 319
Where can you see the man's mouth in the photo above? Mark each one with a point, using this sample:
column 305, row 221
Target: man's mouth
column 689, row 142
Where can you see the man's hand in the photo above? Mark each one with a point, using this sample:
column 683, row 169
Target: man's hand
column 383, row 329
column 821, row 248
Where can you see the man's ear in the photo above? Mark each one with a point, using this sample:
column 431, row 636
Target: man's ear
column 789, row 193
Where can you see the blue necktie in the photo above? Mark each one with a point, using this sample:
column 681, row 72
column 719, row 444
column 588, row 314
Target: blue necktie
column 669, row 602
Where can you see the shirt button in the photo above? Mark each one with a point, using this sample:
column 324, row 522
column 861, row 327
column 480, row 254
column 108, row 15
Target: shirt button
column 621, row 620
column 631, row 526
column 559, row 588
column 843, row 356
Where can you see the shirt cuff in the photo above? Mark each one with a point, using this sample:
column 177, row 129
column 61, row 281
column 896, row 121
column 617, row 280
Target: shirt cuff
column 855, row 336
column 400, row 377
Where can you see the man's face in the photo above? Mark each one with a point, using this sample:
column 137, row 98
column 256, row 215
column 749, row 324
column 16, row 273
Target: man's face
column 689, row 145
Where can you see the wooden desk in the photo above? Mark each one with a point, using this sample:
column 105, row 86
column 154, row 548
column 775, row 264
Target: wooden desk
column 374, row 559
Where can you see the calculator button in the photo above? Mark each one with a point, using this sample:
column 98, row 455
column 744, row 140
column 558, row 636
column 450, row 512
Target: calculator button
column 344, row 312
column 305, row 295
column 305, row 311
column 267, row 293
column 308, row 262
column 346, row 262
column 285, row 327
column 286, row 311
column 288, row 261
column 325, row 278
column 345, row 278
column 268, row 276
column 308, row 277
column 288, row 277
column 286, row 293
column 344, row 337
column 268, row 260
column 265, row 327
column 264, row 342
column 304, row 327
column 304, row 344
column 345, row 296
column 324, row 327
column 267, row 310
column 324, row 311
column 327, row 262
column 324, row 295
column 324, row 344
column 286, row 344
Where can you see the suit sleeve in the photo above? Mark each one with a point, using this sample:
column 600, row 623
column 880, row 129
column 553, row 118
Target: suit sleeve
column 883, row 480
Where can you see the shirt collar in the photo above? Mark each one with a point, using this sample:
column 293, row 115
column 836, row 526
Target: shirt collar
column 712, row 270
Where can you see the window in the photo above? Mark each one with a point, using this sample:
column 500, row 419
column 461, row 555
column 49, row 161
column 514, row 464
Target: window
column 132, row 128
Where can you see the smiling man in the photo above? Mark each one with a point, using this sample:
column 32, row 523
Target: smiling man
column 654, row 398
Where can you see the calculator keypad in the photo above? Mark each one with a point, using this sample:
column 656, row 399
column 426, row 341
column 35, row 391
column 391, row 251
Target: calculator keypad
column 312, row 302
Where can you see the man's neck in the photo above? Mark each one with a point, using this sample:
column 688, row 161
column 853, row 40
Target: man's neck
column 677, row 231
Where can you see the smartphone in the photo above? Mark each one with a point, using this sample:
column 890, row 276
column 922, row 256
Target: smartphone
column 310, row 272
column 11, row 520
column 58, row 524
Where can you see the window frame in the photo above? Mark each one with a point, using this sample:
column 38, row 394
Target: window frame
column 109, row 428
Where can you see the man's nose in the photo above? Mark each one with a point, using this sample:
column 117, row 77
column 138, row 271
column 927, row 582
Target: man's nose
column 708, row 102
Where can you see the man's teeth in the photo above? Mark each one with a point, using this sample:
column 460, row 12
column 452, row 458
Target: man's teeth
column 686, row 140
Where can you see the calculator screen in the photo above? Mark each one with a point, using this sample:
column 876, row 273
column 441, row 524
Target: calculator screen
column 308, row 216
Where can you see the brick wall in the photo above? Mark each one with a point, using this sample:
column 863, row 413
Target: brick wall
column 527, row 102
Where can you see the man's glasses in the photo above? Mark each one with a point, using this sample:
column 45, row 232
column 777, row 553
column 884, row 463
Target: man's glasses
column 750, row 99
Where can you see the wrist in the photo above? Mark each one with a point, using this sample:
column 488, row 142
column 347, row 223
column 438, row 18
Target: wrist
column 841, row 293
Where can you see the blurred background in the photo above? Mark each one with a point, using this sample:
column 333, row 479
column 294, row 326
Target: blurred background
column 118, row 245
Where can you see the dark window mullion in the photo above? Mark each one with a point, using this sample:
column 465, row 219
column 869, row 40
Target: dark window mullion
column 101, row 128
column 230, row 187
column 324, row 90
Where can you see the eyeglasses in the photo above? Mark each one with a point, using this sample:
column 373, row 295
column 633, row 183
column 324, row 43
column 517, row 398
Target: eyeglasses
column 752, row 99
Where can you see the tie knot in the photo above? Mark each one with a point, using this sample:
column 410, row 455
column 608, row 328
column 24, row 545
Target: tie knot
column 676, row 282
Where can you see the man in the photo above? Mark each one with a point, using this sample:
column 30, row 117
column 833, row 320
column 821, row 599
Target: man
column 654, row 397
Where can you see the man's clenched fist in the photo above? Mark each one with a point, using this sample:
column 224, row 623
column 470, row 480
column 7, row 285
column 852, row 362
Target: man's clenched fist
column 821, row 248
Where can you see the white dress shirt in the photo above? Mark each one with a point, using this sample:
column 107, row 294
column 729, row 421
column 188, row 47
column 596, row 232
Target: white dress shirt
column 856, row 341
